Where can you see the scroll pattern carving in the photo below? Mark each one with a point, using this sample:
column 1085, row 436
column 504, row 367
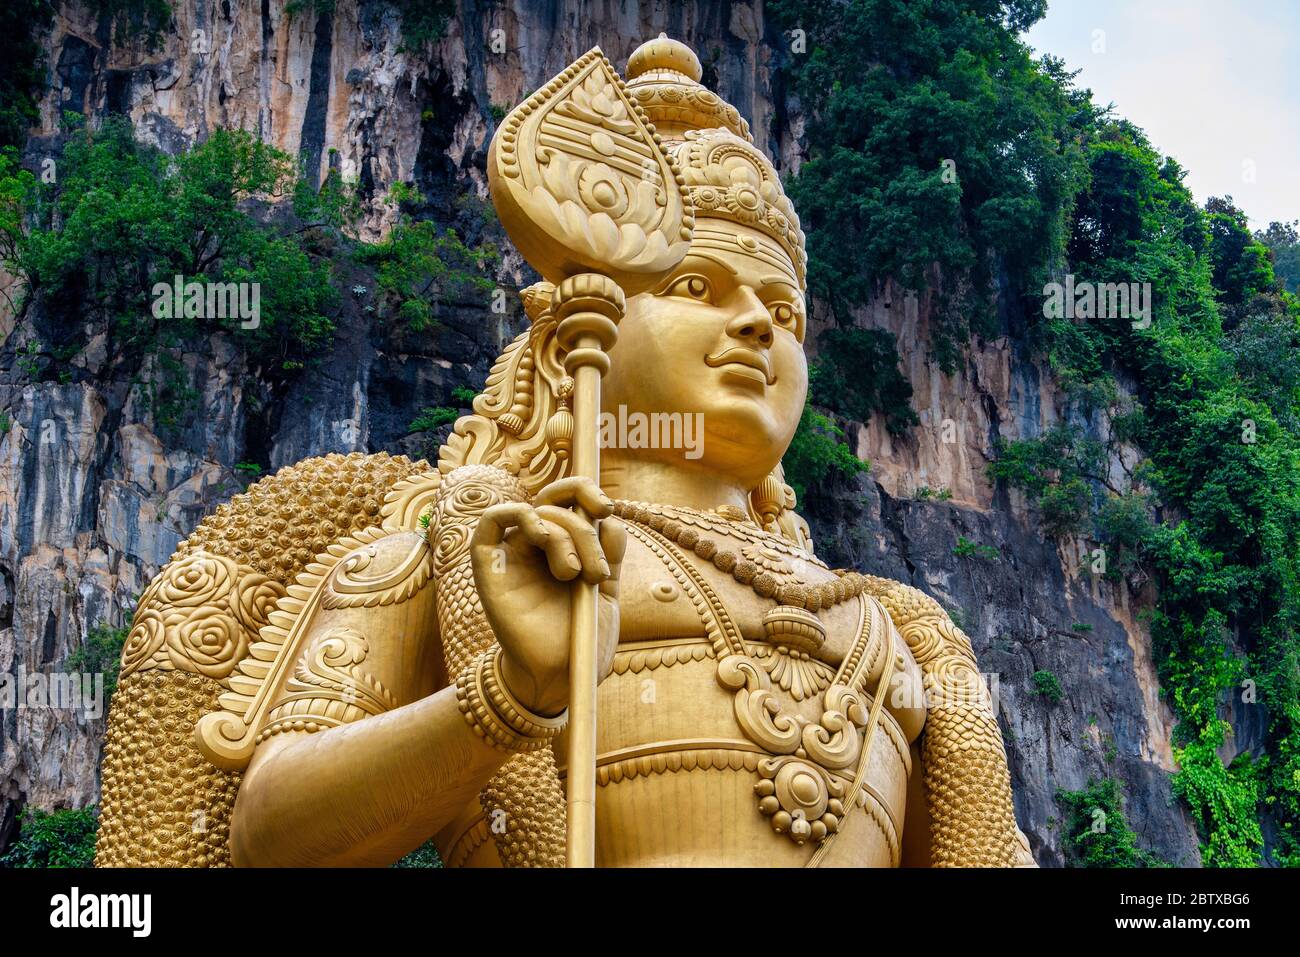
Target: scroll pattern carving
column 328, row 686
column 229, row 737
column 577, row 165
column 797, row 788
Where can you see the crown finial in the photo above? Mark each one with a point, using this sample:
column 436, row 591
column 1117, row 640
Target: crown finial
column 664, row 76
column 664, row 54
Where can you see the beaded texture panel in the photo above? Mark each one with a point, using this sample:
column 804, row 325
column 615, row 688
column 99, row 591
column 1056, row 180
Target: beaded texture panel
column 163, row 804
column 527, row 788
column 964, row 760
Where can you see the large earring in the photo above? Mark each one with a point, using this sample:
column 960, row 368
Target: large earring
column 768, row 501
column 559, row 427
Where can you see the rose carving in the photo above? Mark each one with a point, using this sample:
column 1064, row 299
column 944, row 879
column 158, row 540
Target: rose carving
column 144, row 639
column 200, row 579
column 209, row 642
column 254, row 600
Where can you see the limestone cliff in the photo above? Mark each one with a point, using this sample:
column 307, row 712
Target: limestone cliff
column 95, row 493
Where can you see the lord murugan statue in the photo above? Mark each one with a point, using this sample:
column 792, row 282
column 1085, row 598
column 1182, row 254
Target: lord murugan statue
column 362, row 653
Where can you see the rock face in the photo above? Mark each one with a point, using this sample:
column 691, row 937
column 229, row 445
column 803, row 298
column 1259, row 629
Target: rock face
column 95, row 492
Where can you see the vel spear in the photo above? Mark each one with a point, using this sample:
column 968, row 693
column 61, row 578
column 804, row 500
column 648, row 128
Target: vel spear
column 592, row 202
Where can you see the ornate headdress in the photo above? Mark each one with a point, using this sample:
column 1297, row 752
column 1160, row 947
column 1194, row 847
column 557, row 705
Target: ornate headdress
column 726, row 176
column 522, row 421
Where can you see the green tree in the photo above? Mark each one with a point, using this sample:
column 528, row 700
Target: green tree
column 1096, row 831
column 122, row 217
column 940, row 154
column 419, row 264
column 816, row 452
column 1284, row 242
column 53, row 839
column 857, row 374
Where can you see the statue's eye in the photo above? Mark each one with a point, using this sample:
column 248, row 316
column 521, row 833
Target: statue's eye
column 692, row 287
column 788, row 315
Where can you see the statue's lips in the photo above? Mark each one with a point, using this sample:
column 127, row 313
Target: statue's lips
column 743, row 359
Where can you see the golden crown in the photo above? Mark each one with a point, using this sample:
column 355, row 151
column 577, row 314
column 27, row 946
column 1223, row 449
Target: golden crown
column 725, row 175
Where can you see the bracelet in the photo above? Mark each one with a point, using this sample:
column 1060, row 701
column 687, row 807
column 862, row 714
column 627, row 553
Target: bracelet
column 495, row 715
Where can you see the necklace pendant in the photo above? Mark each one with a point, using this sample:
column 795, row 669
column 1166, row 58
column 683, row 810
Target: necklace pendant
column 795, row 635
column 797, row 629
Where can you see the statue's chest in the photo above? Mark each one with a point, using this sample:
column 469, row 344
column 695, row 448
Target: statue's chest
column 668, row 591
column 701, row 586
column 745, row 689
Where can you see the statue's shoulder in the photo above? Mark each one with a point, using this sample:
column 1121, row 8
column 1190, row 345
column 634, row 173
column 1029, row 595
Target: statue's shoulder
column 448, row 496
column 922, row 621
column 210, row 630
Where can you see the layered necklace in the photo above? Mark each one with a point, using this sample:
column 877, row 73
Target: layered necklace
column 759, row 565
column 801, row 789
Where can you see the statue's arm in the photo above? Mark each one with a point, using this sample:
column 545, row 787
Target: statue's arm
column 965, row 781
column 361, row 794
column 366, row 753
column 370, row 748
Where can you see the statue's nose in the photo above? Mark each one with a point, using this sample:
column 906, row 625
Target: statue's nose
column 753, row 323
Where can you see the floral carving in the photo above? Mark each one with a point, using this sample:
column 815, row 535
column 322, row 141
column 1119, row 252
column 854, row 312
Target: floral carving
column 199, row 616
column 144, row 639
column 198, row 579
column 767, row 558
column 579, row 181
column 209, row 641
column 595, row 101
column 255, row 598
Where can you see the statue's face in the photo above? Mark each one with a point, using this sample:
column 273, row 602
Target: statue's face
column 723, row 337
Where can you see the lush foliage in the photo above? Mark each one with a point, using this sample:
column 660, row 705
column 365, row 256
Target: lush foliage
column 121, row 217
column 1048, row 685
column 1096, row 832
column 817, row 451
column 424, row 21
column 426, row 855
column 1214, row 515
column 106, row 234
column 100, row 653
column 942, row 154
column 857, row 374
column 965, row 548
column 419, row 264
column 53, row 839
column 1284, row 241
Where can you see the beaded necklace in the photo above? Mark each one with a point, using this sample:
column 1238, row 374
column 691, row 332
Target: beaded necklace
column 765, row 583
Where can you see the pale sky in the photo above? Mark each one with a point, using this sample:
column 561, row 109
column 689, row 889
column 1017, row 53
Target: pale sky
column 1214, row 83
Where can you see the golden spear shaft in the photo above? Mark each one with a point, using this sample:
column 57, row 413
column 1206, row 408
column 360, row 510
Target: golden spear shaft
column 588, row 307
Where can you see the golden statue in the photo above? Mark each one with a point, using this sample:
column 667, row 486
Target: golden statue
column 361, row 653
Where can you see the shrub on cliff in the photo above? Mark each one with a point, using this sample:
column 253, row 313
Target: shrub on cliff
column 113, row 218
column 53, row 839
column 1096, row 832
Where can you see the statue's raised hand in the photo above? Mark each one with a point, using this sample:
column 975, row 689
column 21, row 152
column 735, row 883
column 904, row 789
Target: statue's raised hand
column 525, row 559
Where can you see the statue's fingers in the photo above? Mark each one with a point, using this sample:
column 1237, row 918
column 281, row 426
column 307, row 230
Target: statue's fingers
column 613, row 542
column 561, row 553
column 582, row 534
column 577, row 490
column 493, row 524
